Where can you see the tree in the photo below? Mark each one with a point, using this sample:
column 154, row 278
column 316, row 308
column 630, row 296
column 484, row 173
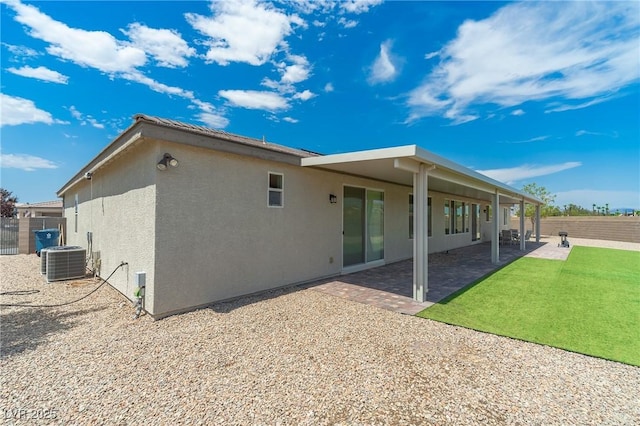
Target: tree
column 8, row 204
column 576, row 210
column 546, row 209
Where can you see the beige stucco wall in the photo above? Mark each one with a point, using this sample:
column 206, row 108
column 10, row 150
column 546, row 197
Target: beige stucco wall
column 203, row 232
column 118, row 206
column 217, row 238
column 439, row 241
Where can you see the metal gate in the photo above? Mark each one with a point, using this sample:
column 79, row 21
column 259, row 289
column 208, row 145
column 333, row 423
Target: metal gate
column 9, row 235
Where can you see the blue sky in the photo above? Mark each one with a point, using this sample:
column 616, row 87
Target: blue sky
column 544, row 92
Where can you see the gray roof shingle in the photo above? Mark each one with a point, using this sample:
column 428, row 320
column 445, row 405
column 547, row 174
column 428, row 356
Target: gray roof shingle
column 220, row 134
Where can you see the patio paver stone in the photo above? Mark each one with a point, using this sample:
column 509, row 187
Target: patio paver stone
column 390, row 287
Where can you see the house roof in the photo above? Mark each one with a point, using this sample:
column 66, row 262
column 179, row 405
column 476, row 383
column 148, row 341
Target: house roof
column 43, row 204
column 396, row 165
column 156, row 128
column 221, row 134
column 399, row 164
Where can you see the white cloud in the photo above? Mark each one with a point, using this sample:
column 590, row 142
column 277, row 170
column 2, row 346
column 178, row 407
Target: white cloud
column 358, row 6
column 383, row 69
column 84, row 120
column 156, row 86
column 534, row 51
column 40, row 73
column 166, row 46
column 215, row 121
column 95, row 49
column 102, row 51
column 587, row 197
column 431, row 55
column 17, row 111
column 328, row 87
column 299, row 71
column 295, row 70
column 22, row 51
column 290, row 120
column 313, row 6
column 555, row 107
column 527, row 171
column 534, row 139
column 587, row 132
column 347, row 23
column 305, row 95
column 243, row 31
column 517, row 112
column 253, row 99
column 330, row 6
column 25, row 162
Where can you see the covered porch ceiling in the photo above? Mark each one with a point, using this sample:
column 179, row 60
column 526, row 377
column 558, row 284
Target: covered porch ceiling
column 398, row 165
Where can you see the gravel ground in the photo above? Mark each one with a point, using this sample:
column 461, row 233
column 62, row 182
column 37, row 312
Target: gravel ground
column 291, row 357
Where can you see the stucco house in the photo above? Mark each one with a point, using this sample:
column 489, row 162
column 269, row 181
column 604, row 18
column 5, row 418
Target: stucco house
column 42, row 209
column 207, row 215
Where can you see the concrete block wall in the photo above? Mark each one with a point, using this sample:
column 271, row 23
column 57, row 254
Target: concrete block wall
column 612, row 228
column 26, row 237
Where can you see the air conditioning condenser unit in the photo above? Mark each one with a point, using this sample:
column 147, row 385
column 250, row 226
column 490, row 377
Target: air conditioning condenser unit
column 65, row 263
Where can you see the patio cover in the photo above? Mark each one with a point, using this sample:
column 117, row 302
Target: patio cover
column 413, row 166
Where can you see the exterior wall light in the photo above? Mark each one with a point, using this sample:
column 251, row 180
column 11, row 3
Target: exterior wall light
column 167, row 160
column 333, row 199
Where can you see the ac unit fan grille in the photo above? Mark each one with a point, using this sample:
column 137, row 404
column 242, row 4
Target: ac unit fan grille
column 65, row 263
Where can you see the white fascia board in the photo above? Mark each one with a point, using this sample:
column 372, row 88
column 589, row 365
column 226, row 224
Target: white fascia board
column 442, row 162
column 477, row 180
column 101, row 159
column 350, row 157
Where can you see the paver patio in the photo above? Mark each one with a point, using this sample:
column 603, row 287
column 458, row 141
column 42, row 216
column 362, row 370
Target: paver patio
column 391, row 286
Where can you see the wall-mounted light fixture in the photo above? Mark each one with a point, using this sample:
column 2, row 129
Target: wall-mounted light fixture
column 333, row 198
column 167, row 160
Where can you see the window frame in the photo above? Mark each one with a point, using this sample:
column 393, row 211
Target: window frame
column 458, row 218
column 275, row 190
column 75, row 203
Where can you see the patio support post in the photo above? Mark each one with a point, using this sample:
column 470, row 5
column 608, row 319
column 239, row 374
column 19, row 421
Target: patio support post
column 522, row 232
column 420, row 237
column 537, row 223
column 495, row 229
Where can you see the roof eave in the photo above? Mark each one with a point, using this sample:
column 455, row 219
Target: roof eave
column 420, row 155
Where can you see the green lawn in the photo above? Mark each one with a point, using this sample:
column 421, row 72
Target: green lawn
column 588, row 304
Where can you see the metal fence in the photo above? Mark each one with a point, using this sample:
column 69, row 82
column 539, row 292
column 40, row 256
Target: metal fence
column 9, row 235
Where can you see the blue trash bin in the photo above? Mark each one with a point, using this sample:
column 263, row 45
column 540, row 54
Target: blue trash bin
column 46, row 238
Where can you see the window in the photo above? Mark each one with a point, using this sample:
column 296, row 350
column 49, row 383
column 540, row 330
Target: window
column 447, row 217
column 459, row 219
column 506, row 216
column 76, row 214
column 465, row 207
column 411, row 216
column 488, row 212
column 456, row 217
column 276, row 190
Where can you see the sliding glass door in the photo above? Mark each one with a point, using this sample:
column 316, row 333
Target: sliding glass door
column 354, row 232
column 363, row 218
column 475, row 222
